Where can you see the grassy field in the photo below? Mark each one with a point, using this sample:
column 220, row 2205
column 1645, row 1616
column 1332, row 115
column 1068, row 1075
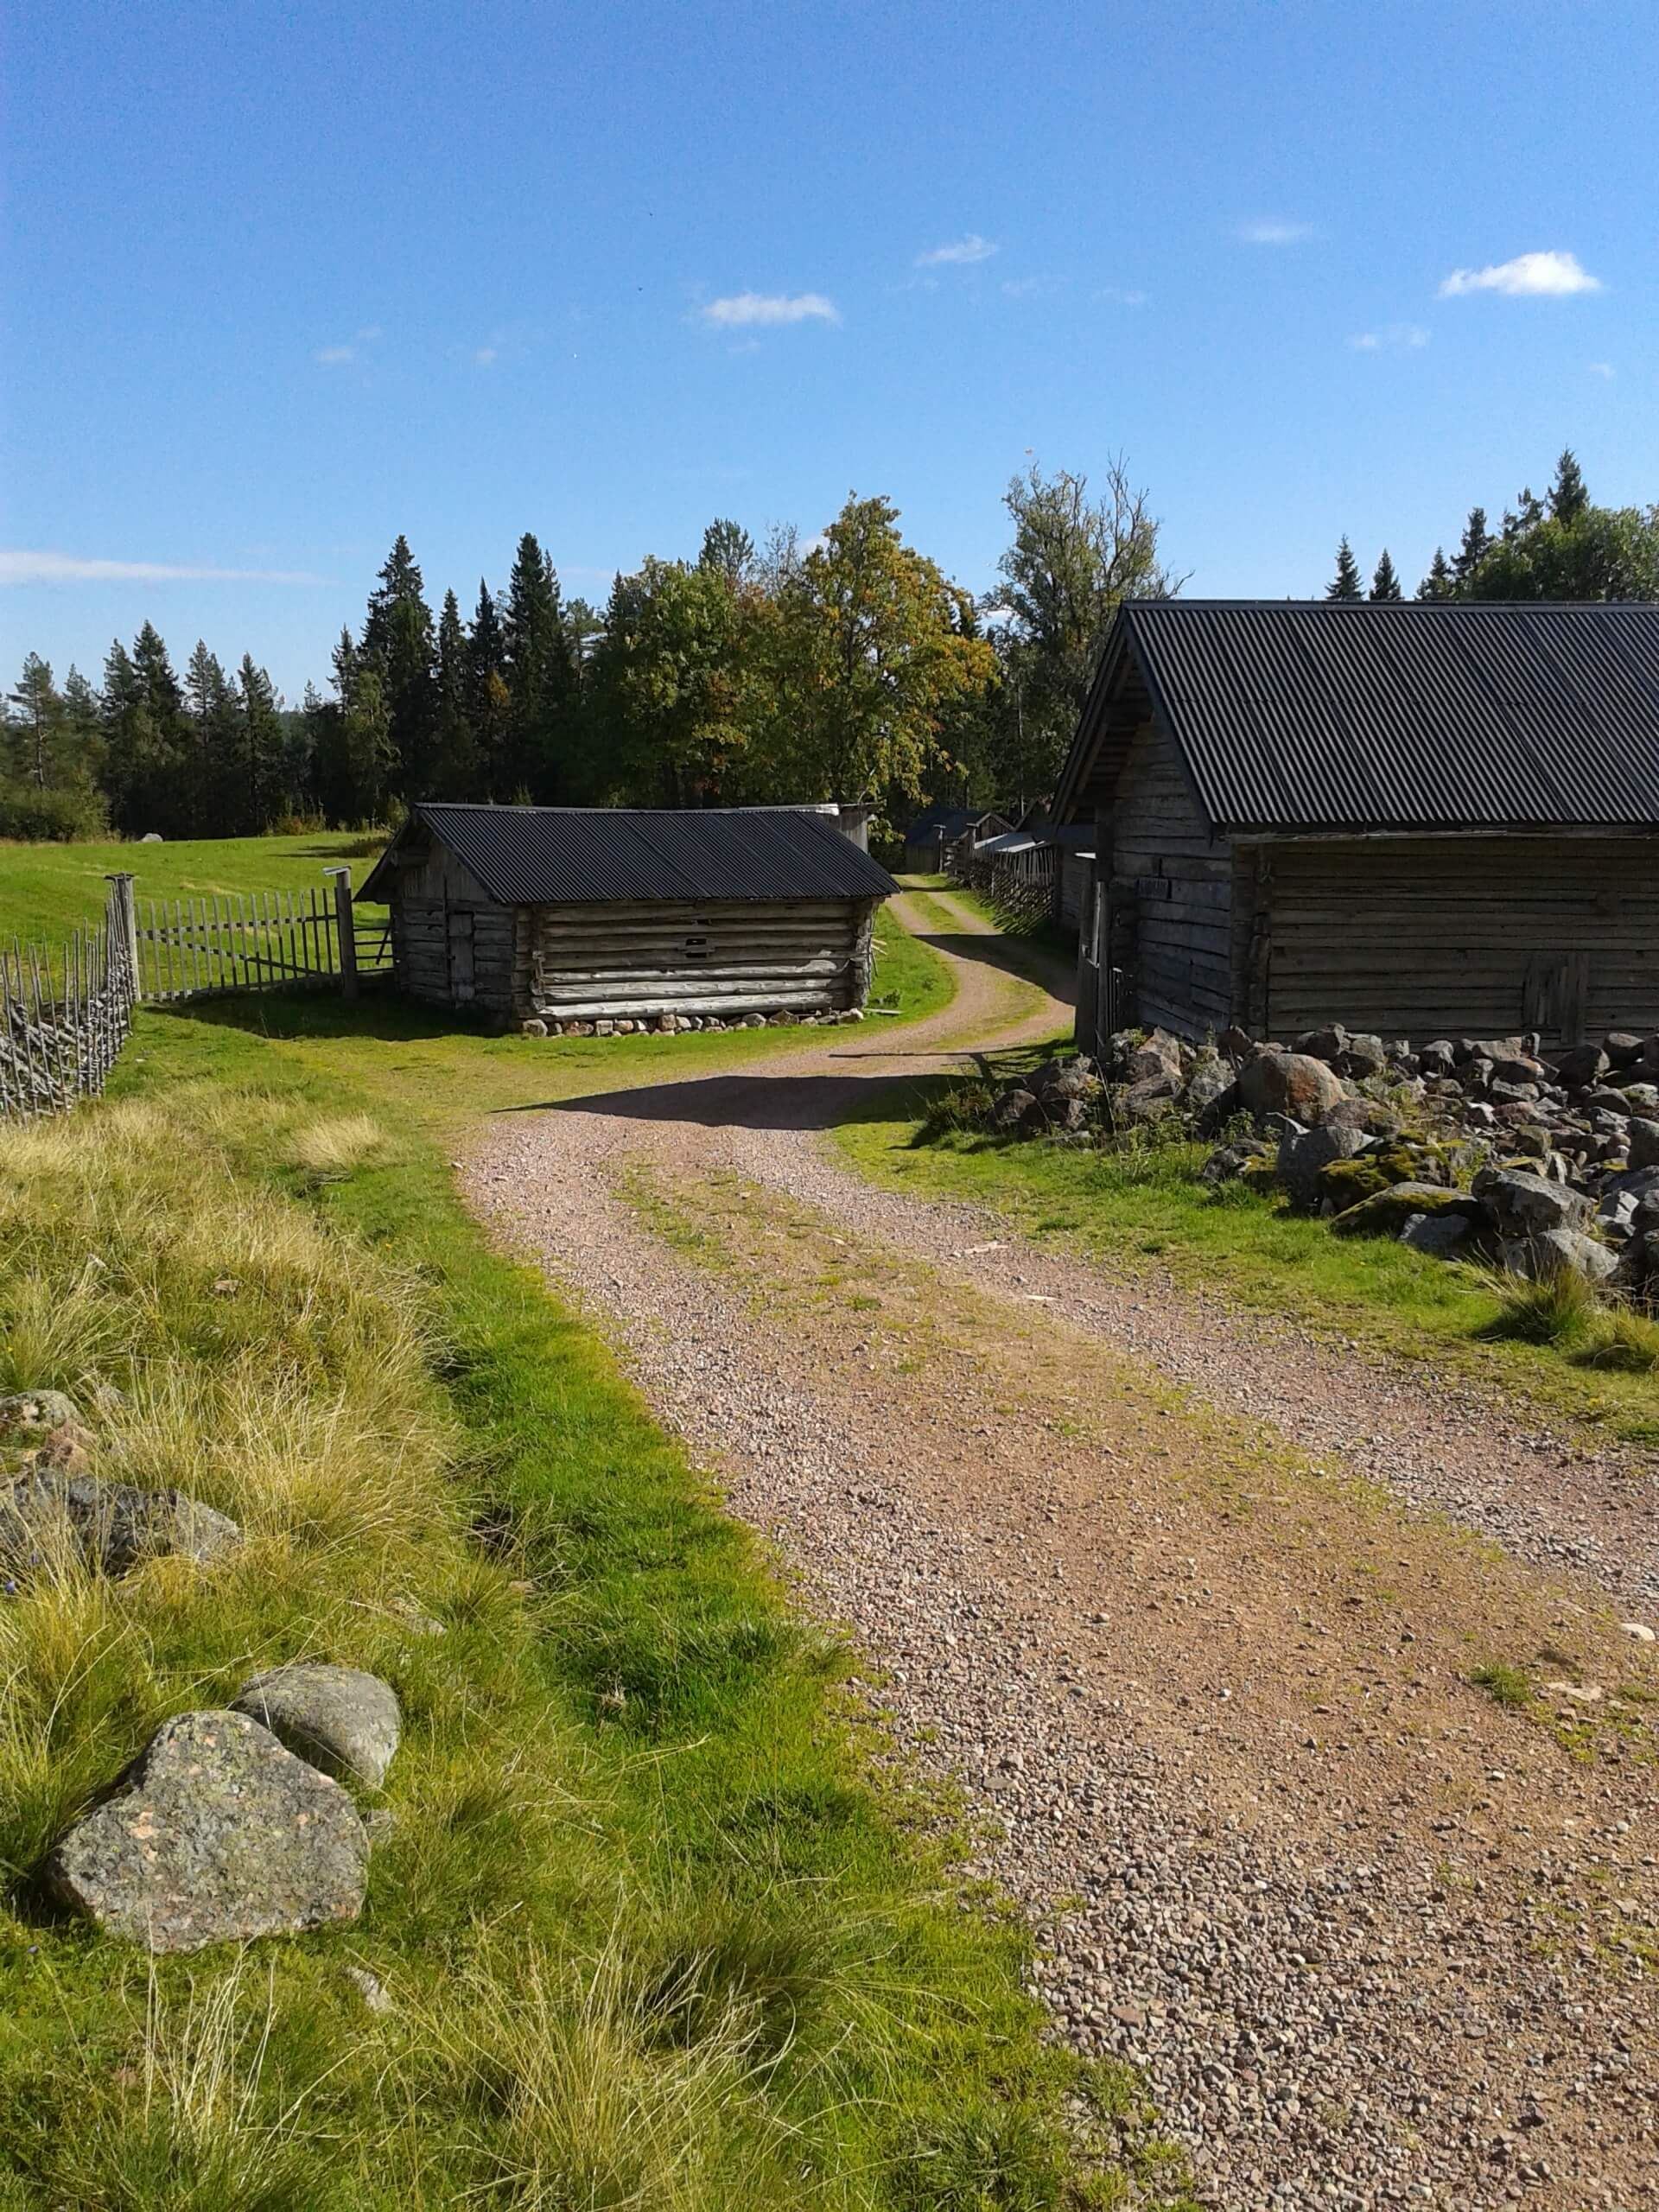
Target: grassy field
column 1148, row 1213
column 652, row 1932
column 47, row 891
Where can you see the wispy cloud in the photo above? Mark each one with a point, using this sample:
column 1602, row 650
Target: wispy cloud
column 1392, row 338
column 337, row 356
column 1272, row 232
column 1116, row 296
column 483, row 355
column 958, row 254
column 1032, row 288
column 21, row 567
column 1529, row 276
column 1603, row 369
column 750, row 310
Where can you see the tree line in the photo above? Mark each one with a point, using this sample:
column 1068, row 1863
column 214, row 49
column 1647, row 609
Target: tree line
column 1560, row 547
column 851, row 669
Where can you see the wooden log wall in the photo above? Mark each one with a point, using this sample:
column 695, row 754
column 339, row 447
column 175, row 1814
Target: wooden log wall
column 1171, row 893
column 601, row 962
column 1433, row 937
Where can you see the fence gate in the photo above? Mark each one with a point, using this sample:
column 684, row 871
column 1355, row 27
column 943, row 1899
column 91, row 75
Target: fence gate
column 254, row 940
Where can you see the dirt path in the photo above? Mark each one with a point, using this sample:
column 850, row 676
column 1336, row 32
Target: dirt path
column 1377, row 1940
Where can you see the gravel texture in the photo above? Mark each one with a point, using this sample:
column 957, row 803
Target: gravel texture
column 1375, row 1941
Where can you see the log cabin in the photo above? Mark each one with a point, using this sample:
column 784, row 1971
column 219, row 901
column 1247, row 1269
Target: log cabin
column 582, row 915
column 1420, row 820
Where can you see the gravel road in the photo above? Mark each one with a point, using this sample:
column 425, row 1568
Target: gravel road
column 1189, row 1606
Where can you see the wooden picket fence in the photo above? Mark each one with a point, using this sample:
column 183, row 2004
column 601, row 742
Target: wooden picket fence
column 63, row 1020
column 255, row 940
column 65, row 1013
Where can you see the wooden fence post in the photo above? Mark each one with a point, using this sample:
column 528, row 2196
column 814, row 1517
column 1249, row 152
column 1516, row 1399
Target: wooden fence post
column 344, row 930
column 126, row 920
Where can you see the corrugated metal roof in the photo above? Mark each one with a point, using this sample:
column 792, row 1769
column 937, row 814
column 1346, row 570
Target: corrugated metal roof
column 1313, row 716
column 558, row 856
column 943, row 821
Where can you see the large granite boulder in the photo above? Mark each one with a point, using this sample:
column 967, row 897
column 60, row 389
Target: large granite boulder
column 1210, row 1093
column 1440, row 1236
column 1644, row 1143
column 1558, row 1251
column 215, row 1833
column 1292, row 1083
column 51, row 1511
column 1520, row 1205
column 1304, row 1152
column 344, row 1722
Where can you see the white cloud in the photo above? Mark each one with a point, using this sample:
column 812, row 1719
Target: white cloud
column 1529, row 276
column 1275, row 233
column 337, row 356
column 1030, row 288
column 18, row 567
column 1603, row 369
column 959, row 252
column 1392, row 338
column 1118, row 297
column 743, row 310
column 483, row 355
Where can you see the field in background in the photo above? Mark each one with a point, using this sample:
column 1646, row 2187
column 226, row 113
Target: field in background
column 46, row 890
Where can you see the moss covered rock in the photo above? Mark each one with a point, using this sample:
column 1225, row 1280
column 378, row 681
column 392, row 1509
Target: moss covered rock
column 1385, row 1213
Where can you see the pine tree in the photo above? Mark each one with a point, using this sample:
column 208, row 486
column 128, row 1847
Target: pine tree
column 1385, row 584
column 1347, row 584
column 540, row 676
column 728, row 547
column 34, row 727
column 1568, row 495
column 1439, row 583
column 1477, row 543
column 398, row 634
column 1525, row 514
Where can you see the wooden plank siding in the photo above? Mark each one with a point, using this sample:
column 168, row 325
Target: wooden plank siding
column 1425, row 938
column 1171, row 893
column 604, row 962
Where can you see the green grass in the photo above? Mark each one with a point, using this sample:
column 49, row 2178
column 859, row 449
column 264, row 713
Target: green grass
column 1144, row 1207
column 653, row 1931
column 47, row 891
column 1503, row 1684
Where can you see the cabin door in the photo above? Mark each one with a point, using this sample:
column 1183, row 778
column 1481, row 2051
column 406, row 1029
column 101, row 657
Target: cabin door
column 460, row 959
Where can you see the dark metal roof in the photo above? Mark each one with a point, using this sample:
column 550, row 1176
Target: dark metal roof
column 1300, row 717
column 943, row 821
column 559, row 855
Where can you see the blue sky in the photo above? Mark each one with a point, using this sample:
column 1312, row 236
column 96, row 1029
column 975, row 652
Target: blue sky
column 283, row 281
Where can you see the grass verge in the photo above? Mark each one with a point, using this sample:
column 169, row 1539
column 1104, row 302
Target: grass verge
column 650, row 1933
column 1144, row 1208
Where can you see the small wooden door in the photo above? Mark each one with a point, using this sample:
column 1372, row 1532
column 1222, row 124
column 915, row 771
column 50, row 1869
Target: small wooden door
column 1554, row 996
column 460, row 959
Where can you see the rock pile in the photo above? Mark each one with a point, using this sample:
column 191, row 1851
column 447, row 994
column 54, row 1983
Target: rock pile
column 1468, row 1147
column 667, row 1024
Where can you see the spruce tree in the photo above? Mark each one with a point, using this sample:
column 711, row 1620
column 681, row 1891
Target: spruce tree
column 160, row 793
column 455, row 763
column 218, row 785
column 1347, row 584
column 728, row 547
column 398, row 634
column 262, row 745
column 489, row 703
column 1569, row 496
column 540, row 676
column 1439, row 583
column 1477, row 543
column 1385, row 584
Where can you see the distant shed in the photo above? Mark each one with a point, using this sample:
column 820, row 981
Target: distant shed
column 929, row 836
column 593, row 913
column 1421, row 820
